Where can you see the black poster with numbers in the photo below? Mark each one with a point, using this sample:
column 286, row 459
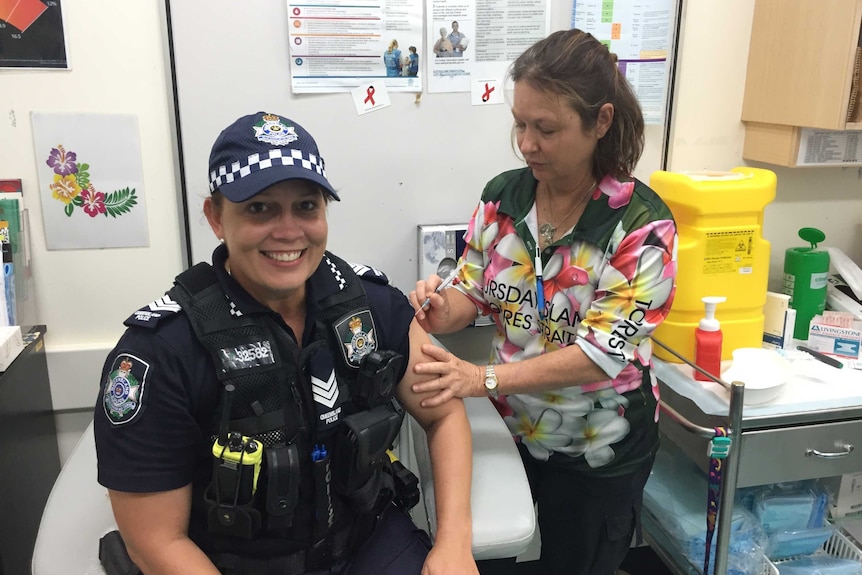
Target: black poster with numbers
column 31, row 34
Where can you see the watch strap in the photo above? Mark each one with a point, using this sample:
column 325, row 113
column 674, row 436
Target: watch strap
column 491, row 381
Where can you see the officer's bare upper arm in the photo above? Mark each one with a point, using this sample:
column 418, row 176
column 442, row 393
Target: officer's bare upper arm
column 149, row 519
column 424, row 415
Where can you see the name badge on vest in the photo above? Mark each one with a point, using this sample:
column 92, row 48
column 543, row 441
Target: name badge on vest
column 246, row 355
column 356, row 333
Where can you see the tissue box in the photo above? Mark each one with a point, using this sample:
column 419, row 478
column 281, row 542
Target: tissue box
column 11, row 344
column 838, row 341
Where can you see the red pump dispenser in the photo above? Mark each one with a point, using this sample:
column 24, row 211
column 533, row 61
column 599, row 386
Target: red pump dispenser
column 708, row 340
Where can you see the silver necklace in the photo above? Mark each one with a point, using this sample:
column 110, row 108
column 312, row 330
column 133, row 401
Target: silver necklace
column 548, row 230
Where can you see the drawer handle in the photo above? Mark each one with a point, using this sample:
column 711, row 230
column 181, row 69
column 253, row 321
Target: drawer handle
column 827, row 455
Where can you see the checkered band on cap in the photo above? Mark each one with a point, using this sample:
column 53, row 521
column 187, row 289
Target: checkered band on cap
column 277, row 157
column 260, row 150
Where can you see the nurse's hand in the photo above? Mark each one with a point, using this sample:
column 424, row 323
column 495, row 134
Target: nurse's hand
column 455, row 377
column 434, row 317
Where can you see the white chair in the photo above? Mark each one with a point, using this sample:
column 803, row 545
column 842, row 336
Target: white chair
column 76, row 516
column 503, row 515
column 78, row 512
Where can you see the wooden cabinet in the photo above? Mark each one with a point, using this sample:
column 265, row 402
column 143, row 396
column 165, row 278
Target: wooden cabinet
column 803, row 72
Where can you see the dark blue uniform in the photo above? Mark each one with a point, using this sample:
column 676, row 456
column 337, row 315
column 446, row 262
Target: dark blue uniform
column 159, row 397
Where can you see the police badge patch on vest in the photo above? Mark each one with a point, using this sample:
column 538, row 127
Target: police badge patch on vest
column 356, row 333
column 124, row 388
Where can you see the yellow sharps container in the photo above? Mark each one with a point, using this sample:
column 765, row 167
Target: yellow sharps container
column 721, row 252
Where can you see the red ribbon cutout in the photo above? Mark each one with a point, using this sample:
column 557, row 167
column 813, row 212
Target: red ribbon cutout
column 370, row 96
column 487, row 95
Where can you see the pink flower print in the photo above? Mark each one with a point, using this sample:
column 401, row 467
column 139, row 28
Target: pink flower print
column 643, row 240
column 656, row 394
column 490, row 210
column 94, row 202
column 571, row 277
column 619, row 193
column 65, row 188
column 501, row 404
column 483, row 216
column 62, row 161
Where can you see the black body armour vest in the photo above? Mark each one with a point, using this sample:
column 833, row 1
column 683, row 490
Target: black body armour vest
column 320, row 486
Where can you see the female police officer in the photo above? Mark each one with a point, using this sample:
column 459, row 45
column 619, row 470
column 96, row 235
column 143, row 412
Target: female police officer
column 244, row 417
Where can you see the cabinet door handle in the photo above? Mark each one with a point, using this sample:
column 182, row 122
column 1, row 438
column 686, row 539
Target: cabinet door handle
column 830, row 455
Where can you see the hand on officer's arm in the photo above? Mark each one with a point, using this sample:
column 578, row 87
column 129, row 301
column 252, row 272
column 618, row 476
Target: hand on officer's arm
column 454, row 377
column 450, row 447
column 154, row 527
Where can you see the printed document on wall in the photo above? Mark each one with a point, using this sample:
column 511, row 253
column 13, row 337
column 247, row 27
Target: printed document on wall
column 338, row 45
column 639, row 33
column 829, row 148
column 466, row 38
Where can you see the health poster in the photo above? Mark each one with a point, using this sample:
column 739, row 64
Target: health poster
column 31, row 34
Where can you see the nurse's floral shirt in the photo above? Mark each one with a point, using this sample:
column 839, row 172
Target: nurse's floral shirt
column 607, row 284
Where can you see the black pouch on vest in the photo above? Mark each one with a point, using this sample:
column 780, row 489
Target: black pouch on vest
column 363, row 443
column 282, row 487
column 234, row 520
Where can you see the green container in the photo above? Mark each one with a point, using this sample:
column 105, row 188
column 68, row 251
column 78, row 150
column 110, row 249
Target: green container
column 805, row 273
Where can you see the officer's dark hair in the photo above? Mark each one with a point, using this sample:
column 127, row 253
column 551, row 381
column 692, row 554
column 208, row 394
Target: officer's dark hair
column 576, row 66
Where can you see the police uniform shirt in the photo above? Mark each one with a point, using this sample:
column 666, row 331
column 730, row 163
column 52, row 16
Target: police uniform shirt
column 159, row 393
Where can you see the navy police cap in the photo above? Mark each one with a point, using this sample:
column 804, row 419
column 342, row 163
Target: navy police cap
column 260, row 150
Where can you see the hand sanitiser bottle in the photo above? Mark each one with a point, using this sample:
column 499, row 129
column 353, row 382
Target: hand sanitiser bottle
column 707, row 340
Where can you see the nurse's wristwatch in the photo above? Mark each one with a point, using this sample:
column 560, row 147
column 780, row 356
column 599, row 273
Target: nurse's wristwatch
column 491, row 381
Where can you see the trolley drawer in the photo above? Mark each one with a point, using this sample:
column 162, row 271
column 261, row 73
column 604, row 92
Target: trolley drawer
column 794, row 453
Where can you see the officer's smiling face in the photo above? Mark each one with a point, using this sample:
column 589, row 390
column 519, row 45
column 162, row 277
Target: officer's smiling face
column 275, row 240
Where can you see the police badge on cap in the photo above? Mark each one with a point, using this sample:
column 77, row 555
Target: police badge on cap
column 124, row 388
column 271, row 130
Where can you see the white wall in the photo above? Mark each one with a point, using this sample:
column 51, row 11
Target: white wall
column 708, row 134
column 83, row 296
column 119, row 65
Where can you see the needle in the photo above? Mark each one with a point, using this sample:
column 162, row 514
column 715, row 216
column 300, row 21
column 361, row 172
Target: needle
column 446, row 283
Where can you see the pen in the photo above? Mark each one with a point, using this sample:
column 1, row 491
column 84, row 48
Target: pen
column 446, row 283
column 540, row 287
column 821, row 356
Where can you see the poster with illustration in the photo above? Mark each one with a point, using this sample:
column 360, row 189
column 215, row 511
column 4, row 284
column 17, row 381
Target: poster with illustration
column 31, row 35
column 90, row 180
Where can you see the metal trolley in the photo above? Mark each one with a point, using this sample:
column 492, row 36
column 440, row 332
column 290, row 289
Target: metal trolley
column 731, row 466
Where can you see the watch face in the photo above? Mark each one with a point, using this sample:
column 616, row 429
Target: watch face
column 491, row 381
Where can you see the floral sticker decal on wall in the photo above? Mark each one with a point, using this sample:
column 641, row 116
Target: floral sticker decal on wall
column 73, row 187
